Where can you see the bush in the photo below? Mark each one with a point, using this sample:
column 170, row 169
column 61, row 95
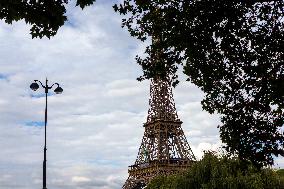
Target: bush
column 280, row 172
column 213, row 172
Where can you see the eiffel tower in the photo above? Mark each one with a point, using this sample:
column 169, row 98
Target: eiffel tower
column 164, row 149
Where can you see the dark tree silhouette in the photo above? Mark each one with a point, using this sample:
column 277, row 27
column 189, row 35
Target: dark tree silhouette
column 233, row 51
column 45, row 16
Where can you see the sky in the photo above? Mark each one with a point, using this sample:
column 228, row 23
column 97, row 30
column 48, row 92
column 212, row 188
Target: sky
column 95, row 126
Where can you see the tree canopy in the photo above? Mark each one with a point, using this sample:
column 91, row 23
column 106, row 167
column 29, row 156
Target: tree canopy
column 233, row 51
column 45, row 16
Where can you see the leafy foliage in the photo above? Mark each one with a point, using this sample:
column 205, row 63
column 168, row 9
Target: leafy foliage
column 46, row 17
column 233, row 51
column 214, row 172
column 280, row 172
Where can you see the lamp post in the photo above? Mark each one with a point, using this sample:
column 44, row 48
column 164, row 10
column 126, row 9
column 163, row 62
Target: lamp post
column 34, row 86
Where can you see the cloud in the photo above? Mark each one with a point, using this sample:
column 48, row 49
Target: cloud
column 80, row 179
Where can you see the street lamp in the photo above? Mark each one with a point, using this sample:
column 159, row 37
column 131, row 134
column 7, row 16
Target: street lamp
column 34, row 86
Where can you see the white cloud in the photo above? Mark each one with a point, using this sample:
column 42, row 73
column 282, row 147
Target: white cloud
column 80, row 179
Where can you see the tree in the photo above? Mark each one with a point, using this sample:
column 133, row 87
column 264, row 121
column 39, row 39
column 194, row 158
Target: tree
column 213, row 172
column 46, row 17
column 233, row 51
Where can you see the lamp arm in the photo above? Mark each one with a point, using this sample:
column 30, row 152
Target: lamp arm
column 40, row 83
column 53, row 84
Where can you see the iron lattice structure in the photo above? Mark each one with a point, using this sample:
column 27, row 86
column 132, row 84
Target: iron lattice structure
column 164, row 149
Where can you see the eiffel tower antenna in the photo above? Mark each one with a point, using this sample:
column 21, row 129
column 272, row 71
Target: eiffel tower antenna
column 164, row 149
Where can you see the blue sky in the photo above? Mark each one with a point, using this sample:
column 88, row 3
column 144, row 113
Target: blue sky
column 96, row 125
column 3, row 77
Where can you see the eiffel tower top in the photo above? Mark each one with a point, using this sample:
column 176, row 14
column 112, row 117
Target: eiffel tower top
column 162, row 106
